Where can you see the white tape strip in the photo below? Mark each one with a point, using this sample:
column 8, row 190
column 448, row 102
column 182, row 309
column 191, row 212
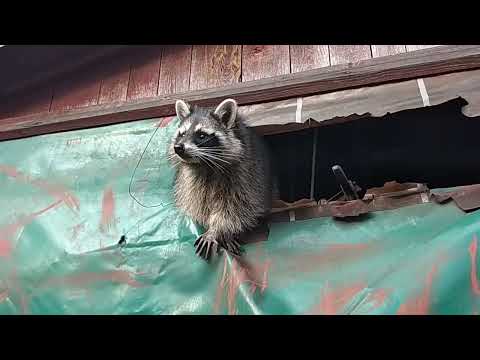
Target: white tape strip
column 423, row 92
column 424, row 198
column 291, row 213
column 298, row 114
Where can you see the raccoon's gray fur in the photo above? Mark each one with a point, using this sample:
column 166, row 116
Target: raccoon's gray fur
column 223, row 178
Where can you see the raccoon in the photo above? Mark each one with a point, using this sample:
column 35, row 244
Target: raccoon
column 223, row 176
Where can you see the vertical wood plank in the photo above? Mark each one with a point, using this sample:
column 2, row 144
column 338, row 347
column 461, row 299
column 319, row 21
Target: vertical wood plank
column 343, row 54
column 114, row 83
column 144, row 73
column 307, row 57
column 263, row 61
column 215, row 65
column 419, row 47
column 387, row 50
column 175, row 69
column 81, row 89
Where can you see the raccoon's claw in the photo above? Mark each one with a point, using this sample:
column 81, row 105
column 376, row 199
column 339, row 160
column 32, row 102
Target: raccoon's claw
column 198, row 240
column 205, row 247
column 233, row 247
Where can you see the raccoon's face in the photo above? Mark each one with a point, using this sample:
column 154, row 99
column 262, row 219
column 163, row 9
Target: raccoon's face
column 207, row 137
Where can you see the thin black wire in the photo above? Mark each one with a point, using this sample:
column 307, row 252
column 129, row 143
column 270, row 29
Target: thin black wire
column 135, row 170
column 123, row 238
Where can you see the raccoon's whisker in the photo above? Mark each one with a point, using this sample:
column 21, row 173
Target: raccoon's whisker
column 220, row 168
column 208, row 163
column 207, row 159
column 215, row 163
column 216, row 157
column 218, row 150
column 173, row 160
column 210, row 156
column 222, row 154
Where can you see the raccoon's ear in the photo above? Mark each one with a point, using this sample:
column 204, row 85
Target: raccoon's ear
column 227, row 112
column 182, row 109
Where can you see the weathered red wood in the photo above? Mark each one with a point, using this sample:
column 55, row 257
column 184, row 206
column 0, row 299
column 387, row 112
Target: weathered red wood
column 308, row 57
column 264, row 61
column 344, row 54
column 144, row 74
column 422, row 63
column 36, row 101
column 114, row 84
column 175, row 69
column 81, row 90
column 387, row 50
column 215, row 66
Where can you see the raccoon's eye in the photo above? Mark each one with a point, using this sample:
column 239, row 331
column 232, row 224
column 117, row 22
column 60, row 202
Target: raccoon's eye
column 202, row 136
column 181, row 134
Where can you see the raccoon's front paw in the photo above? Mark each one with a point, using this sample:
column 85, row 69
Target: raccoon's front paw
column 233, row 247
column 206, row 245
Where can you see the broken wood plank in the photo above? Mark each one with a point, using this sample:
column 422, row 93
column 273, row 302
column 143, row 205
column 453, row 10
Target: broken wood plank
column 264, row 61
column 418, row 64
column 376, row 100
column 308, row 57
column 144, row 75
column 214, row 66
column 175, row 69
column 387, row 50
column 466, row 85
column 344, row 54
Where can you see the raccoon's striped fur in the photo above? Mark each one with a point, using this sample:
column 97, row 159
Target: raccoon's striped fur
column 223, row 178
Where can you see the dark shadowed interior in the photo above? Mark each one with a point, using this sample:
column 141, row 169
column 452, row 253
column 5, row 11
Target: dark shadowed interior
column 433, row 145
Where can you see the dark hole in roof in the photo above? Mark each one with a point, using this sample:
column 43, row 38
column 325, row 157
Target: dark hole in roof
column 435, row 145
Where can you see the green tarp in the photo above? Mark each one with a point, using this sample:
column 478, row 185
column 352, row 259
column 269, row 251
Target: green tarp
column 65, row 204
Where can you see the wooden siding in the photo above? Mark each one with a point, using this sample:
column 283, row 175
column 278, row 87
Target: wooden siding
column 157, row 71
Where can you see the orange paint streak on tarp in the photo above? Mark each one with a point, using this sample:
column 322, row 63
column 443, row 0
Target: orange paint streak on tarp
column 108, row 211
column 58, row 192
column 379, row 297
column 7, row 232
column 332, row 255
column 5, row 247
column 473, row 248
column 420, row 305
column 165, row 121
column 3, row 295
column 240, row 272
column 88, row 278
column 334, row 300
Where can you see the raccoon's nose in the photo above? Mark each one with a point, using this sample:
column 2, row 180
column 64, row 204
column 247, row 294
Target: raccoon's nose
column 179, row 149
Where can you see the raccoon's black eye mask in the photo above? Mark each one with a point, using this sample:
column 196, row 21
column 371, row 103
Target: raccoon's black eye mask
column 202, row 138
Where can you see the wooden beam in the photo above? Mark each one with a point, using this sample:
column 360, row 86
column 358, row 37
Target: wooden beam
column 428, row 62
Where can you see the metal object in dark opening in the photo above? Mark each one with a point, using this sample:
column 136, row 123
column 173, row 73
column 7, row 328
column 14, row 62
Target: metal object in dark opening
column 349, row 188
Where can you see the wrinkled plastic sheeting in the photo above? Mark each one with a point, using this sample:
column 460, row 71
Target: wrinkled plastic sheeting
column 65, row 204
